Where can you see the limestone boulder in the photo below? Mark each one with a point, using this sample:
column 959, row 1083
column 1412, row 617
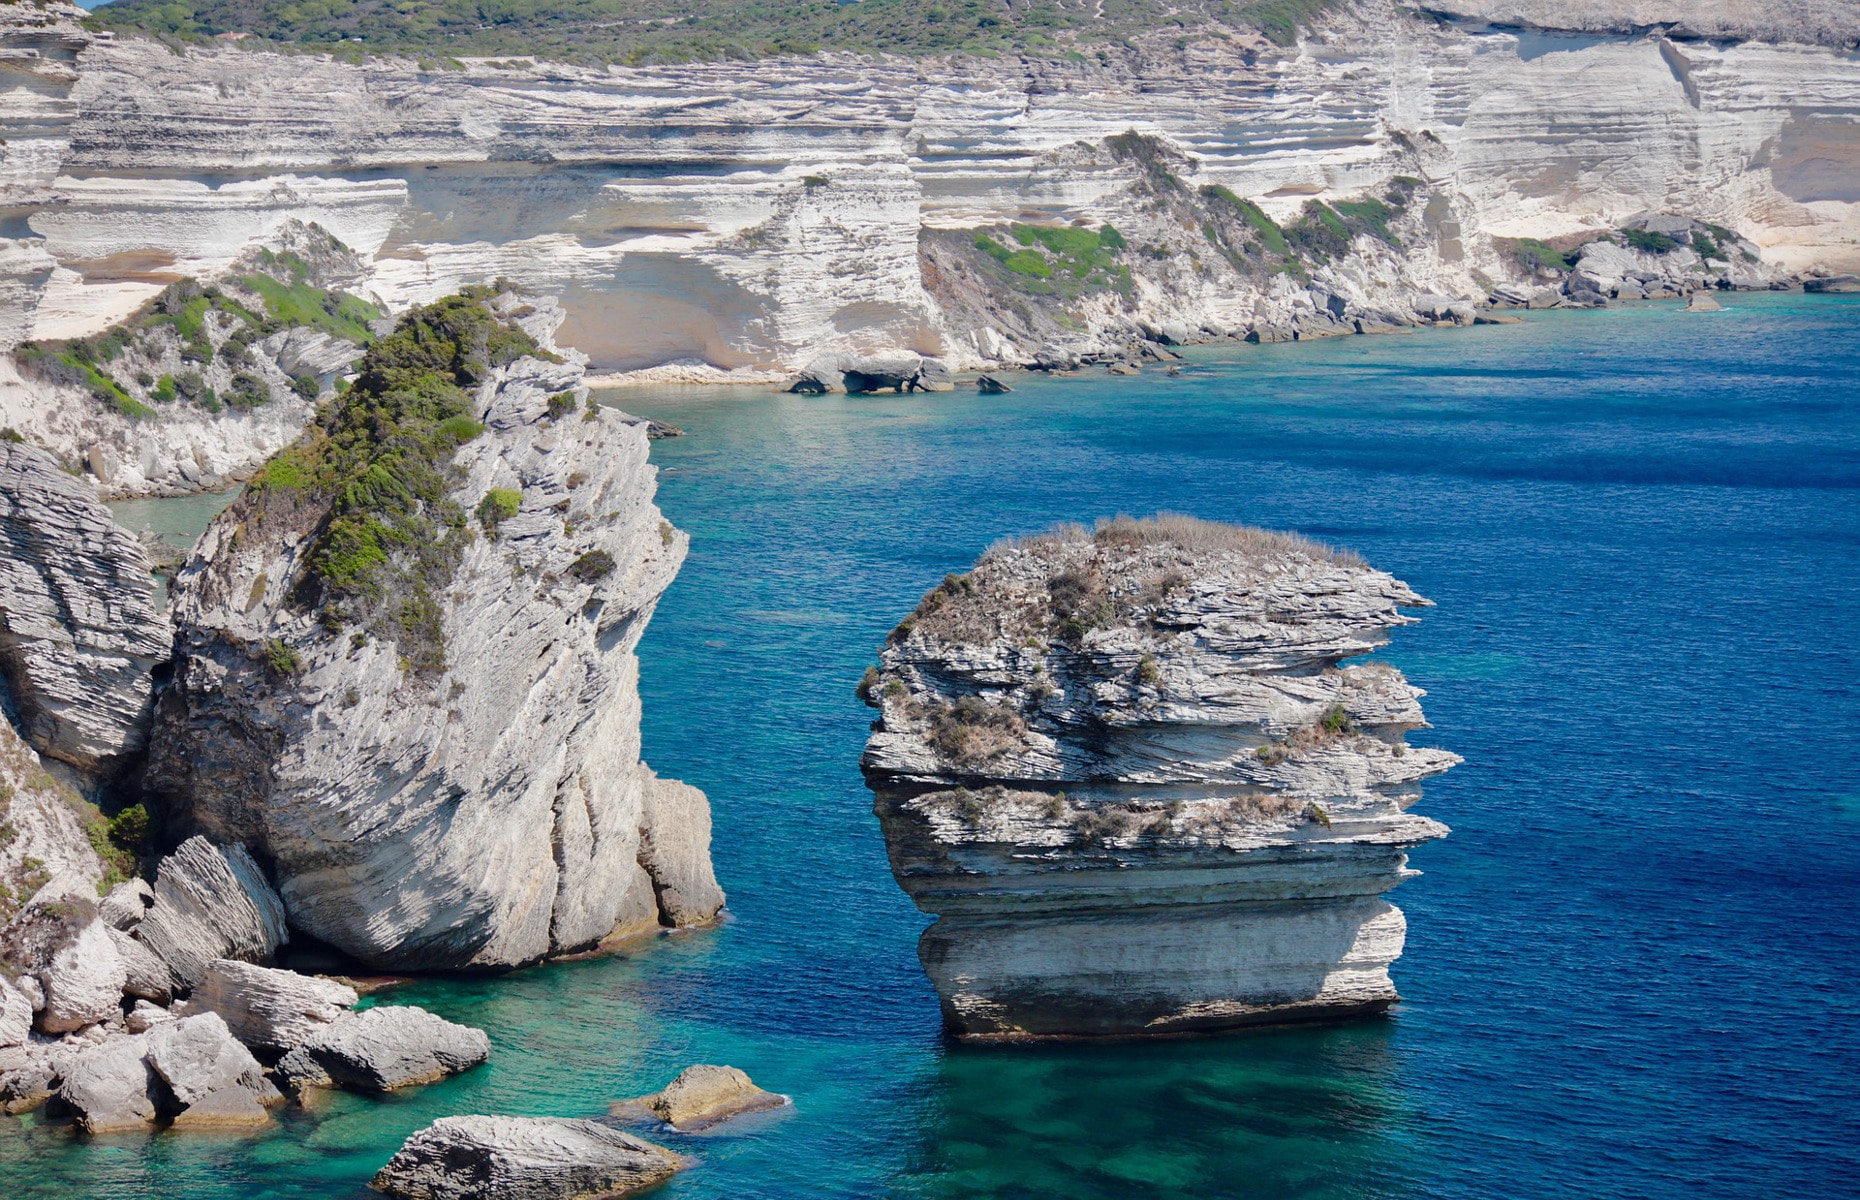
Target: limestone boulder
column 213, row 1079
column 211, row 902
column 126, row 905
column 703, row 1096
column 145, row 976
column 79, row 632
column 396, row 1046
column 1833, row 285
column 269, row 1008
column 84, row 981
column 674, row 848
column 108, row 1085
column 522, row 1158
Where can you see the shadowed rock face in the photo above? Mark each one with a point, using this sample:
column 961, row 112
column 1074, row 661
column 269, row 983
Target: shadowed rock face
column 1131, row 776
column 487, row 813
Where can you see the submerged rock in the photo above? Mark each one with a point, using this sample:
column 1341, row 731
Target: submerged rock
column 384, row 1049
column 436, row 749
column 79, row 633
column 1128, row 772
column 703, row 1096
column 522, row 1158
column 211, row 902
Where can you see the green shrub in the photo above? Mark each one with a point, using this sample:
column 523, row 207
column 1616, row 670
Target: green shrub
column 592, row 566
column 498, row 506
column 163, row 392
column 281, row 660
column 1536, row 256
column 1649, row 242
column 561, row 404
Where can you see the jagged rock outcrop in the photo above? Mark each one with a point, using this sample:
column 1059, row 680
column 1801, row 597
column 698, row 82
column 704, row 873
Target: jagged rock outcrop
column 385, row 1049
column 482, row 806
column 211, row 902
column 702, row 1096
column 272, row 1009
column 1129, row 772
column 522, row 1158
column 79, row 633
column 1813, row 22
column 212, row 1080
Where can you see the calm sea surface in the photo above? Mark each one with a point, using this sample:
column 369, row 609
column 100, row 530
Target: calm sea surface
column 1631, row 971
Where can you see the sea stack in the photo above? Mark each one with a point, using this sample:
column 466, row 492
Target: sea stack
column 1127, row 770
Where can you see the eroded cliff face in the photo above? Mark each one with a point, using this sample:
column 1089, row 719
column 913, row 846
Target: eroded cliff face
column 453, row 780
column 80, row 638
column 1129, row 772
column 714, row 219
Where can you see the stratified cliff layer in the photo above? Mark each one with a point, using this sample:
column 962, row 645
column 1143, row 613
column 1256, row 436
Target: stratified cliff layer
column 751, row 218
column 406, row 676
column 1128, row 771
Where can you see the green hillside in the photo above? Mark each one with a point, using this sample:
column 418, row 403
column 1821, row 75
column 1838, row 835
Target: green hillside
column 646, row 31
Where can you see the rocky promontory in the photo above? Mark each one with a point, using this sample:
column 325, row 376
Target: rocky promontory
column 405, row 670
column 1129, row 771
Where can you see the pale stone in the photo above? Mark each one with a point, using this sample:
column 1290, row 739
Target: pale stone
column 396, row 1046
column 270, row 1008
column 15, row 1015
column 214, row 1078
column 126, row 905
column 107, row 1086
column 703, row 1096
column 145, row 975
column 674, row 847
column 211, row 902
column 522, row 1158
column 84, row 981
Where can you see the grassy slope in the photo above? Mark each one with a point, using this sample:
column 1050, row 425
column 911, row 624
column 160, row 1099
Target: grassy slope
column 642, row 31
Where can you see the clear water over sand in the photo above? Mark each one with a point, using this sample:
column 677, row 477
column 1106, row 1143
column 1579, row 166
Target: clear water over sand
column 1629, row 970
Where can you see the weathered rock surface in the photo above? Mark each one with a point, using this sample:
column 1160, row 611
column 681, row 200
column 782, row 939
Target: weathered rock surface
column 145, row 976
column 108, row 1086
column 522, row 1158
column 127, row 903
column 211, row 902
column 703, row 1096
column 674, row 849
column 213, row 1079
column 1823, row 22
column 270, row 1008
column 396, row 1046
column 84, row 981
column 1833, row 285
column 15, row 1015
column 1131, row 776
column 489, row 814
column 79, row 634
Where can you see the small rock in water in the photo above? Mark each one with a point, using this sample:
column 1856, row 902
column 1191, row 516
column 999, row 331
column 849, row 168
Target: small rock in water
column 398, row 1046
column 1702, row 302
column 702, row 1096
column 522, row 1158
column 988, row 385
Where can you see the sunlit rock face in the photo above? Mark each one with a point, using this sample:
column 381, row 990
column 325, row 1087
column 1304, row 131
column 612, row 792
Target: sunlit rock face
column 748, row 218
column 494, row 810
column 1132, row 776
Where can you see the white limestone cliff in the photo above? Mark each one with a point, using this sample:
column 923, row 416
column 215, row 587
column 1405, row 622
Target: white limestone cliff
column 734, row 220
column 489, row 811
column 1131, row 775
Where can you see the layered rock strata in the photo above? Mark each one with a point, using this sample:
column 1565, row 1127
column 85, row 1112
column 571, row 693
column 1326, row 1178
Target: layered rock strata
column 740, row 221
column 1132, row 775
column 79, row 634
column 485, row 806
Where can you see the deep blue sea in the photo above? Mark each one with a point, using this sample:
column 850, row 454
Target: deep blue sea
column 1633, row 970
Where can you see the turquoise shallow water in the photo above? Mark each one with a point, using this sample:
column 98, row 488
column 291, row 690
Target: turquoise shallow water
column 1629, row 970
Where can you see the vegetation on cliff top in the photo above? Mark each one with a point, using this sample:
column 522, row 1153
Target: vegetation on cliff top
column 172, row 348
column 377, row 466
column 649, row 31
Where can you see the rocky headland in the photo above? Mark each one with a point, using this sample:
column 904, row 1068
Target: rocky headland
column 392, row 709
column 1131, row 772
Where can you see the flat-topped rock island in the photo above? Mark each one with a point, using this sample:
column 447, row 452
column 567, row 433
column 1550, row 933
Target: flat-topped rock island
column 1129, row 771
